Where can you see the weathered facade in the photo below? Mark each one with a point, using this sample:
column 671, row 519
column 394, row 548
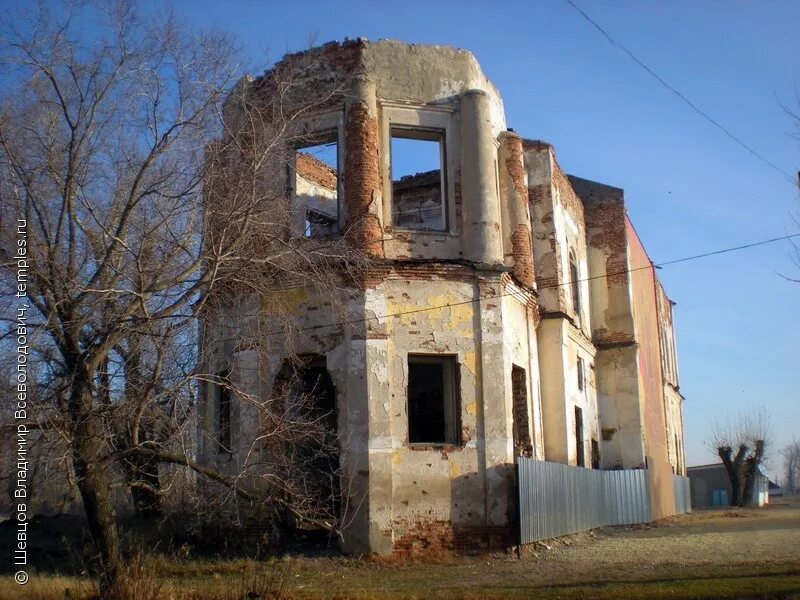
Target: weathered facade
column 495, row 316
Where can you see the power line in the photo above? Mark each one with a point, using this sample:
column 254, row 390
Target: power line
column 651, row 265
column 694, row 107
column 715, row 252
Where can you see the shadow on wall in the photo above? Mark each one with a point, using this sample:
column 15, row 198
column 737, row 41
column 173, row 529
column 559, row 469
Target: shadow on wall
column 467, row 530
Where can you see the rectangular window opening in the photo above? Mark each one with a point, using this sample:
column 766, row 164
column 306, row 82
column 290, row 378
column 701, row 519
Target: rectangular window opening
column 574, row 276
column 222, row 392
column 581, row 375
column 519, row 393
column 595, row 454
column 433, row 411
column 418, row 179
column 315, row 183
column 581, row 459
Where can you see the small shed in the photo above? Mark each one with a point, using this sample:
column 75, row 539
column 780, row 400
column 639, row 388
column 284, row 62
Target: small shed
column 775, row 491
column 711, row 486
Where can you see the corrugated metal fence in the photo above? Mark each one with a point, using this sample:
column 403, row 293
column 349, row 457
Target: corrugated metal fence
column 683, row 495
column 556, row 499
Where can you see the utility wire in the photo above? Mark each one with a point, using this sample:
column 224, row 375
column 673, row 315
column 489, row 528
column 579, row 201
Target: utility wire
column 715, row 252
column 650, row 265
column 694, row 107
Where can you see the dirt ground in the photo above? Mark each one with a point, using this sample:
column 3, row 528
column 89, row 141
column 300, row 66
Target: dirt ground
column 704, row 543
column 700, row 547
column 738, row 553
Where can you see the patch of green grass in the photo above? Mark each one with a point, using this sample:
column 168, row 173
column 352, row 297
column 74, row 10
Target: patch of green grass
column 236, row 585
column 769, row 586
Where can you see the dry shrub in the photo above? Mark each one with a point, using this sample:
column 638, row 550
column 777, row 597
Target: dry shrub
column 139, row 582
column 144, row 579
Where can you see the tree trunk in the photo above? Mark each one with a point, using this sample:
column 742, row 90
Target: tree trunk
column 735, row 466
column 751, row 472
column 749, row 484
column 94, row 485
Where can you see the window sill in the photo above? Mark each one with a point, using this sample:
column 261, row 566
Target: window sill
column 423, row 446
column 442, row 232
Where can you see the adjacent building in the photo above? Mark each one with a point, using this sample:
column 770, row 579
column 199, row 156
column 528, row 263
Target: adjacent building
column 506, row 309
column 711, row 487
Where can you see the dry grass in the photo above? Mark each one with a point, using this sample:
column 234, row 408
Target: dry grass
column 709, row 554
column 155, row 578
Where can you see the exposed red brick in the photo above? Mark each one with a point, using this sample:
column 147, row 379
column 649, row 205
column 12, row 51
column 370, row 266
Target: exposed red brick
column 362, row 185
column 521, row 245
column 529, row 144
column 314, row 170
column 430, row 538
column 522, row 251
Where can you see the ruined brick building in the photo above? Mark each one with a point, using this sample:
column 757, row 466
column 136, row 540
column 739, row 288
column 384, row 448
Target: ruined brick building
column 508, row 308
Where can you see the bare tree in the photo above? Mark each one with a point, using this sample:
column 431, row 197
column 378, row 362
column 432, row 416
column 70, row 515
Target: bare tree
column 742, row 444
column 114, row 153
column 791, row 467
column 794, row 115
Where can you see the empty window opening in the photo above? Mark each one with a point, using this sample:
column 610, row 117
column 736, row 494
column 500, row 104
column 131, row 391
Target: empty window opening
column 581, row 375
column 595, row 454
column 432, row 400
column 519, row 394
column 315, row 184
column 222, row 393
column 418, row 179
column 574, row 277
column 581, row 459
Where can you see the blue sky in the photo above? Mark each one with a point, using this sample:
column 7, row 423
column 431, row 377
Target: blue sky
column 689, row 189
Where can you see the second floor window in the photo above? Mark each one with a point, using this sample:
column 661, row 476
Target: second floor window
column 418, row 179
column 575, row 284
column 315, row 183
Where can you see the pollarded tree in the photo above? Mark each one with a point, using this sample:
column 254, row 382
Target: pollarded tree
column 742, row 444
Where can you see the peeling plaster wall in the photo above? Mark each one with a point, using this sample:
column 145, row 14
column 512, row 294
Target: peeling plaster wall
column 547, row 250
column 434, row 484
column 607, row 250
column 557, row 217
column 616, row 362
column 521, row 349
column 558, row 226
column 560, row 345
column 622, row 439
column 443, row 491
